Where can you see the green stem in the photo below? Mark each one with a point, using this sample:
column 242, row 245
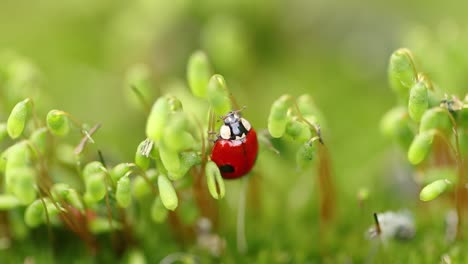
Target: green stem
column 241, row 239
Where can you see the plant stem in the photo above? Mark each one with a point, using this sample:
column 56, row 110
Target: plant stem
column 460, row 191
column 241, row 239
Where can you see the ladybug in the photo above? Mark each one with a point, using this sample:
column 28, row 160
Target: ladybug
column 236, row 148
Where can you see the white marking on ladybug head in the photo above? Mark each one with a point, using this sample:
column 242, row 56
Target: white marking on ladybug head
column 225, row 132
column 246, row 124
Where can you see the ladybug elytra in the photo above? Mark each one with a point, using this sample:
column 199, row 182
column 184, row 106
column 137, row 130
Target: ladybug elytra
column 235, row 151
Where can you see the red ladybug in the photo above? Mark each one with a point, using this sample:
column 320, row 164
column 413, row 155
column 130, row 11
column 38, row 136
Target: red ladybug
column 236, row 148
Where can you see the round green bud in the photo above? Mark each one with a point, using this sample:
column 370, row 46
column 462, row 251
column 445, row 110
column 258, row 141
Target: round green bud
column 119, row 171
column 402, row 73
column 434, row 190
column 175, row 105
column 157, row 119
column 141, row 160
column 101, row 225
column 58, row 123
column 36, row 213
column 436, row 118
column 278, row 118
column 158, row 211
column 23, row 184
column 18, row 118
column 33, row 216
column 92, row 168
column 167, row 193
column 305, row 154
column 214, row 180
column 8, row 202
column 420, row 146
column 169, row 158
column 187, row 161
column 396, row 125
column 176, row 137
column 95, row 187
column 39, row 140
column 3, row 131
column 123, row 193
column 218, row 95
column 198, row 73
column 418, row 101
column 19, row 156
column 306, row 105
column 298, row 130
column 62, row 191
column 140, row 186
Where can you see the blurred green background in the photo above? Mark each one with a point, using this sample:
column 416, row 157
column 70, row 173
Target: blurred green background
column 335, row 51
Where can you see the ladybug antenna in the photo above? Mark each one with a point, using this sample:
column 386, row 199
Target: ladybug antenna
column 240, row 110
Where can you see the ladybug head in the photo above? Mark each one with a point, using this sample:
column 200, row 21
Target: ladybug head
column 235, row 127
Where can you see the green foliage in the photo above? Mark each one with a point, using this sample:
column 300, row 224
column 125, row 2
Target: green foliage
column 420, row 146
column 158, row 210
column 218, row 96
column 18, row 118
column 167, row 193
column 434, row 189
column 418, row 101
column 157, row 119
column 214, row 180
column 57, row 122
column 440, row 125
column 402, row 73
column 199, row 73
column 123, row 193
column 396, row 125
column 278, row 119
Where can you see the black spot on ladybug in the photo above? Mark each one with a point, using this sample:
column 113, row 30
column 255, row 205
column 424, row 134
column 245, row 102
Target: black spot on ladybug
column 226, row 168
